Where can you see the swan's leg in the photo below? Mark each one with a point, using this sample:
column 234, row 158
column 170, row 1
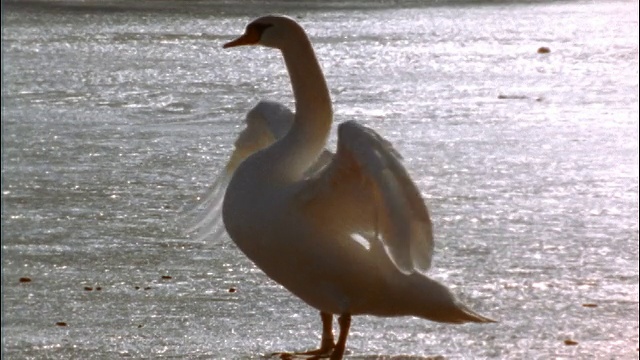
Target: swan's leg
column 345, row 322
column 326, row 345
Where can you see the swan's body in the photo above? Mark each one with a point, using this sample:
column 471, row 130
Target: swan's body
column 352, row 238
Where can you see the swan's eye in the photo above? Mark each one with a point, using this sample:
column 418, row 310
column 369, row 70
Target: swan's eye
column 251, row 36
column 258, row 28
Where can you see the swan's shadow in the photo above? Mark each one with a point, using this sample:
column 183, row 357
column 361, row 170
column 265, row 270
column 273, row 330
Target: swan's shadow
column 398, row 357
column 395, row 357
column 367, row 357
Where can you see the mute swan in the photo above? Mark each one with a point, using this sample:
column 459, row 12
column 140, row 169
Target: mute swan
column 354, row 237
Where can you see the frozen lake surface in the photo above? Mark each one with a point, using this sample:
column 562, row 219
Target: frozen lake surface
column 116, row 120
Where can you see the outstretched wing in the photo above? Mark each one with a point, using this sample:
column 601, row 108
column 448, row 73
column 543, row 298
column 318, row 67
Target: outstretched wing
column 266, row 122
column 366, row 191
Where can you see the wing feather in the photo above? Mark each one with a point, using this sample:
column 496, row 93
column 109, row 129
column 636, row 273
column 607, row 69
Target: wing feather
column 366, row 190
column 266, row 122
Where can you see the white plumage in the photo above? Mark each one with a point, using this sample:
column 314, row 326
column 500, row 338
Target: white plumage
column 348, row 233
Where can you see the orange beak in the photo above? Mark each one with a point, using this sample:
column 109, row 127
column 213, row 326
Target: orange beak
column 250, row 37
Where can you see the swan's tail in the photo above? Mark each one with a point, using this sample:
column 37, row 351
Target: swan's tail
column 464, row 315
column 431, row 300
column 452, row 313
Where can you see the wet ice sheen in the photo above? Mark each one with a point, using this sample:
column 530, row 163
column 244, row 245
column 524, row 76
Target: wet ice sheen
column 114, row 122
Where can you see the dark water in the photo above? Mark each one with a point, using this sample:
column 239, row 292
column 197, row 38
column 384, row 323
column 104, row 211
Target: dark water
column 115, row 120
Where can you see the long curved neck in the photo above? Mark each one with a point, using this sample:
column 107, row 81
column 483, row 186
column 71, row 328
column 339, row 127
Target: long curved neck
column 310, row 90
column 313, row 116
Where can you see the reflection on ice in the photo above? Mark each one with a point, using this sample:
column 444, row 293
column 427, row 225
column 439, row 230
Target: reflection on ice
column 552, row 184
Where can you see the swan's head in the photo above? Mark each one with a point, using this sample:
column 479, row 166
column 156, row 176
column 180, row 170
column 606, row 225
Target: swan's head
column 272, row 31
